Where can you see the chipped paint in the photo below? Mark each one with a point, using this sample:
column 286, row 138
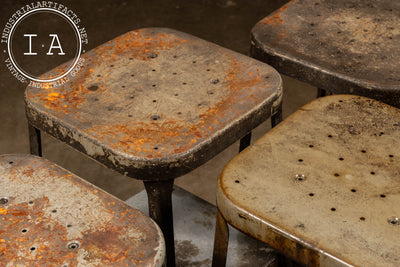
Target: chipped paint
column 50, row 208
column 154, row 97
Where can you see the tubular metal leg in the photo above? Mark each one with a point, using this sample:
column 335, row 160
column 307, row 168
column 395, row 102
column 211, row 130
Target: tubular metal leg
column 35, row 141
column 245, row 142
column 277, row 117
column 160, row 209
column 322, row 92
column 220, row 242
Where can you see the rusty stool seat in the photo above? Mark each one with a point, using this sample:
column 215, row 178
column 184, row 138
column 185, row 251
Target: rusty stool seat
column 341, row 46
column 154, row 104
column 50, row 217
column 322, row 187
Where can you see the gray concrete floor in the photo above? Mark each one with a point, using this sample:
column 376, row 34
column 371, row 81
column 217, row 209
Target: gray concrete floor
column 225, row 22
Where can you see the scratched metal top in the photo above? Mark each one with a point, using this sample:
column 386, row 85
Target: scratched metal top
column 339, row 45
column 157, row 102
column 327, row 178
column 50, row 217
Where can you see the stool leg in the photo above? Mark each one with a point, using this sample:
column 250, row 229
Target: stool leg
column 221, row 239
column 322, row 92
column 277, row 117
column 245, row 142
column 160, row 209
column 35, row 141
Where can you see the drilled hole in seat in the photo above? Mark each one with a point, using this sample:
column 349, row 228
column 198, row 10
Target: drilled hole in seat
column 362, row 218
column 154, row 85
column 353, row 190
column 394, row 220
column 382, row 195
column 93, row 88
column 155, row 148
column 300, row 160
column 24, row 230
column 333, row 209
column 184, row 83
column 300, row 177
column 3, row 201
column 391, row 156
column 311, row 146
column 330, row 136
column 363, row 151
column 341, row 158
column 73, row 245
column 32, row 248
column 336, row 174
column 155, row 117
column 311, row 194
column 237, row 181
column 111, row 65
column 372, row 173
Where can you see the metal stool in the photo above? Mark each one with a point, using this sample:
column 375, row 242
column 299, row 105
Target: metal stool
column 50, row 217
column 322, row 187
column 344, row 47
column 154, row 104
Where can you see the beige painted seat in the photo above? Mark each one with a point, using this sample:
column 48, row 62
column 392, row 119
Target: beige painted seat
column 322, row 187
column 50, row 217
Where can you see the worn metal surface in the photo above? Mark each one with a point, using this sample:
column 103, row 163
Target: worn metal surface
column 194, row 234
column 50, row 217
column 156, row 103
column 322, row 186
column 343, row 46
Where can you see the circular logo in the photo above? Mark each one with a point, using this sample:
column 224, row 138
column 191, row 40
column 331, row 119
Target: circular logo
column 44, row 36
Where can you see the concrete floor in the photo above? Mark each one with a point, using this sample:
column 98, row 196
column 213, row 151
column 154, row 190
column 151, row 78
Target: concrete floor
column 225, row 22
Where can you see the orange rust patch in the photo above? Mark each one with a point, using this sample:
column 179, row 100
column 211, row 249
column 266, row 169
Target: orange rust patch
column 47, row 241
column 138, row 44
column 177, row 136
column 275, row 19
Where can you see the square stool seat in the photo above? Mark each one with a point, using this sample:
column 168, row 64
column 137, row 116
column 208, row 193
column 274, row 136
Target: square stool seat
column 341, row 46
column 323, row 186
column 50, row 217
column 154, row 104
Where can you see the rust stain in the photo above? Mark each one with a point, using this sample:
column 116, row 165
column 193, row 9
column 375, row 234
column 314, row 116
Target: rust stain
column 30, row 235
column 275, row 19
column 152, row 139
column 21, row 248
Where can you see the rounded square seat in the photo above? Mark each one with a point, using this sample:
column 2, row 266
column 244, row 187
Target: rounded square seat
column 322, row 187
column 156, row 103
column 341, row 46
column 50, row 217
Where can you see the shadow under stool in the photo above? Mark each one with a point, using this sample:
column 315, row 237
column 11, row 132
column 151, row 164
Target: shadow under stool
column 50, row 217
column 154, row 104
column 322, row 187
column 340, row 46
